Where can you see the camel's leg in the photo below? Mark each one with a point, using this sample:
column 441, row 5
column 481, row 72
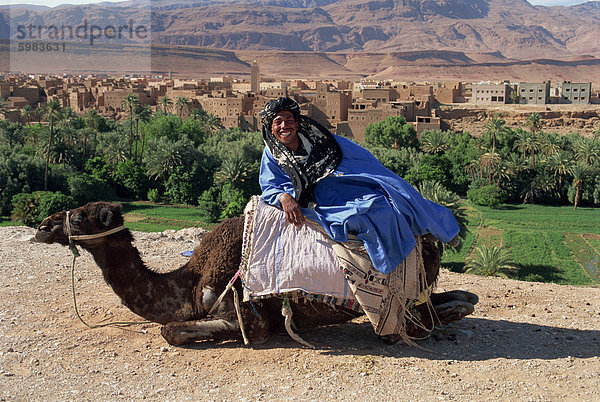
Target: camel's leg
column 256, row 327
column 179, row 333
column 454, row 295
column 452, row 311
column 453, row 306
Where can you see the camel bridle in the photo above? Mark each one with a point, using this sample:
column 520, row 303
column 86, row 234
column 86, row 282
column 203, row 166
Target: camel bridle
column 90, row 236
column 76, row 254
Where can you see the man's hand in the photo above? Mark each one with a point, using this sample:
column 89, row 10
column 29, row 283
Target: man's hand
column 292, row 210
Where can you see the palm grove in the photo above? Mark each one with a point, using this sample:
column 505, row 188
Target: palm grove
column 68, row 159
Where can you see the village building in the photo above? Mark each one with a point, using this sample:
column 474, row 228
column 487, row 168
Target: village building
column 534, row 93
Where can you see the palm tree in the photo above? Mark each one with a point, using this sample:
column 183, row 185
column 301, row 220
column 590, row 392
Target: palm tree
column 213, row 124
column 532, row 145
column 516, row 164
column 143, row 114
column 92, row 120
column 113, row 146
column 26, row 114
column 578, row 172
column 130, row 101
column 434, row 141
column 233, row 170
column 198, row 114
column 522, row 141
column 436, row 192
column 165, row 156
column 473, row 167
column 490, row 162
column 3, row 106
column 495, row 127
column 166, row 103
column 534, row 123
column 182, row 103
column 587, row 150
column 493, row 261
column 69, row 117
column 560, row 164
column 52, row 114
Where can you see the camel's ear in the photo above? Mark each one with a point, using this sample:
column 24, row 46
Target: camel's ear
column 106, row 216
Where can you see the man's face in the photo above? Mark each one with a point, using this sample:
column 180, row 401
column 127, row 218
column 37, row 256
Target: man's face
column 285, row 129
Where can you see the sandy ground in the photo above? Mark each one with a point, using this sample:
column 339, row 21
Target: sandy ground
column 524, row 341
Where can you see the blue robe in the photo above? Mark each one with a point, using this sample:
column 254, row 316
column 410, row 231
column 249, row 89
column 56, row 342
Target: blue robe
column 364, row 198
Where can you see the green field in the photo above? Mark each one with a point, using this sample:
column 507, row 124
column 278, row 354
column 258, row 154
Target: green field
column 549, row 243
column 147, row 217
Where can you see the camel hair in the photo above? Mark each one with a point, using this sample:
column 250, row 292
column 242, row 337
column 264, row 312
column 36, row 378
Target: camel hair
column 181, row 299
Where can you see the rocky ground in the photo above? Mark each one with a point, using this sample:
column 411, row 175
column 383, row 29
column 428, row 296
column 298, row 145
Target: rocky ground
column 524, row 341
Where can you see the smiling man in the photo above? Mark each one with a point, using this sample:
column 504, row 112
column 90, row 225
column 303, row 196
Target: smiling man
column 308, row 171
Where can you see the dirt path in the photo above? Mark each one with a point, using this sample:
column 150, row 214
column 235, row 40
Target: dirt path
column 525, row 340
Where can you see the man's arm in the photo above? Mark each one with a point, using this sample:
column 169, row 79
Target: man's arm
column 277, row 189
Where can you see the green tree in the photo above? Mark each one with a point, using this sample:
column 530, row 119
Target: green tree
column 52, row 114
column 392, row 132
column 26, row 114
column 494, row 128
column 182, row 103
column 559, row 164
column 491, row 261
column 534, row 123
column 233, row 170
column 212, row 123
column 578, row 172
column 3, row 106
column 587, row 150
column 130, row 102
column 166, row 103
column 434, row 141
column 93, row 121
column 113, row 147
column 143, row 114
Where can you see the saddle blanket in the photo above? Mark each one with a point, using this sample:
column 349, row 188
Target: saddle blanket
column 278, row 257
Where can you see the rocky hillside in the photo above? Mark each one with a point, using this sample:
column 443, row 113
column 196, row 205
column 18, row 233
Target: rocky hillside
column 514, row 28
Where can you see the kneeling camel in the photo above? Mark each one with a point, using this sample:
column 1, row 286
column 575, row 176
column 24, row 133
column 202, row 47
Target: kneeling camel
column 181, row 299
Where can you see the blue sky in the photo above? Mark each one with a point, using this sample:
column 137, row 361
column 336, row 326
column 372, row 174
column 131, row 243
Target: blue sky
column 53, row 3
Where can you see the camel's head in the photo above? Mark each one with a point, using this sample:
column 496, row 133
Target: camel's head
column 92, row 218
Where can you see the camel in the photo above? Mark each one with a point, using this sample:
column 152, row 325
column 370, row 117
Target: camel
column 181, row 299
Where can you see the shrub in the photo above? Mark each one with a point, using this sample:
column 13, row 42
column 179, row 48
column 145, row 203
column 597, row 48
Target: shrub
column 25, row 208
column 209, row 204
column 232, row 200
column 153, row 195
column 131, row 180
column 52, row 202
column 85, row 188
column 489, row 196
column 181, row 187
column 32, row 208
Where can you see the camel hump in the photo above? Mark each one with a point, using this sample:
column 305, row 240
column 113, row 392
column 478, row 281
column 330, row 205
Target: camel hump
column 217, row 257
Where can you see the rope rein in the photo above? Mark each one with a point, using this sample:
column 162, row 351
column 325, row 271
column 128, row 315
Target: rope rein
column 76, row 254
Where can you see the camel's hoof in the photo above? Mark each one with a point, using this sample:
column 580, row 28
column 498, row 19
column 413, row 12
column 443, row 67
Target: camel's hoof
column 170, row 333
column 390, row 339
column 453, row 311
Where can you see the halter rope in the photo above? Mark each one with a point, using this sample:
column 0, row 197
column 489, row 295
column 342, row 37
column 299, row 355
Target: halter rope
column 76, row 254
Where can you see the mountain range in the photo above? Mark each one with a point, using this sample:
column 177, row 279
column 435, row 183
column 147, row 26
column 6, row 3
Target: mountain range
column 434, row 33
column 514, row 28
